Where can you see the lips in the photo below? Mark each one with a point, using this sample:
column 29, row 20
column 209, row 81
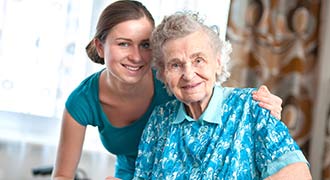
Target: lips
column 190, row 86
column 133, row 68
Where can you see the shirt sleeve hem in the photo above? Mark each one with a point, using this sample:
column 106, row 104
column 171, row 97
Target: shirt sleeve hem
column 285, row 160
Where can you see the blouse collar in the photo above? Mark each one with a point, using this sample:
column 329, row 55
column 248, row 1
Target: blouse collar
column 213, row 110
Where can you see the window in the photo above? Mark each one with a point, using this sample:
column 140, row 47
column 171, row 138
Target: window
column 42, row 53
column 214, row 13
column 42, row 56
column 42, row 59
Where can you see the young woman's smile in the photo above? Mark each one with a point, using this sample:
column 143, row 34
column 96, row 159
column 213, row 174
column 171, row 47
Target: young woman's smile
column 127, row 54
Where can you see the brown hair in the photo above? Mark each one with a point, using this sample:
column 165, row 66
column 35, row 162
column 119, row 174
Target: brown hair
column 113, row 14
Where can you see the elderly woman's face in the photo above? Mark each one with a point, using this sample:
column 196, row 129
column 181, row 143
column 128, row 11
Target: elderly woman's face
column 190, row 68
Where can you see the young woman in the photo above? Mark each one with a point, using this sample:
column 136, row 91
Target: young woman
column 120, row 98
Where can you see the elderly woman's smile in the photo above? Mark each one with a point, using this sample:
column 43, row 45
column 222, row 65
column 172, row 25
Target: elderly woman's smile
column 189, row 87
column 190, row 69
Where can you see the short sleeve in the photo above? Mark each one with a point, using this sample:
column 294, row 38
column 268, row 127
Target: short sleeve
column 83, row 102
column 77, row 105
column 275, row 148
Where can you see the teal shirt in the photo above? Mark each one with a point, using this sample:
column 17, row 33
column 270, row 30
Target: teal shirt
column 84, row 106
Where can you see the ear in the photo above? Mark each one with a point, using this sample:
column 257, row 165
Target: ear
column 99, row 47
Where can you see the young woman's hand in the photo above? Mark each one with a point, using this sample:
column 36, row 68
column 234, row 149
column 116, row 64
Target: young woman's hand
column 268, row 101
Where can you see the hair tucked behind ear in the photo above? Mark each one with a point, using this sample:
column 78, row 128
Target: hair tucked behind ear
column 92, row 53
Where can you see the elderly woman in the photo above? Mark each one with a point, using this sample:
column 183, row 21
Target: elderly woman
column 209, row 131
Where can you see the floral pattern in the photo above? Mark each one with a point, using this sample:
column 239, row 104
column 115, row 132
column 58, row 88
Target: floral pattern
column 245, row 142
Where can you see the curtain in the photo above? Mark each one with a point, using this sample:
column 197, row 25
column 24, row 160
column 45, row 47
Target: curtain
column 208, row 10
column 42, row 54
column 275, row 42
column 43, row 58
column 42, row 47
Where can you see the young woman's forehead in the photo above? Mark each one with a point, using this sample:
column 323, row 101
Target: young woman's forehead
column 139, row 28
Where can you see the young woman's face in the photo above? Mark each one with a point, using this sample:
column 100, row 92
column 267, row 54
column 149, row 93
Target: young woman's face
column 190, row 68
column 126, row 50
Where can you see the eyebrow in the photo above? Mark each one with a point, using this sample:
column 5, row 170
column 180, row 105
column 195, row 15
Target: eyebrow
column 174, row 60
column 130, row 40
column 196, row 55
column 122, row 39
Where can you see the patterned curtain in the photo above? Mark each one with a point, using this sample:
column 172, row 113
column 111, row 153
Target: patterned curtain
column 326, row 156
column 275, row 42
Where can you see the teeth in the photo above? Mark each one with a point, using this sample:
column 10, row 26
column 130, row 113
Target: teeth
column 190, row 86
column 132, row 68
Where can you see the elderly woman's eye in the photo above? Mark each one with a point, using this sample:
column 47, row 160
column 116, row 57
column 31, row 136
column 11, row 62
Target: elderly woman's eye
column 199, row 60
column 175, row 65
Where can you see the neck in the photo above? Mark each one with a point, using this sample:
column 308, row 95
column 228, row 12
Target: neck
column 194, row 110
column 128, row 90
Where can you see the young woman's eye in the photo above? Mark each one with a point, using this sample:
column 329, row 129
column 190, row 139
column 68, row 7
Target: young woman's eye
column 123, row 44
column 145, row 45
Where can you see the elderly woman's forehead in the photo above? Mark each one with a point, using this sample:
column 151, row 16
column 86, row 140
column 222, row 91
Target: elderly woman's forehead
column 193, row 39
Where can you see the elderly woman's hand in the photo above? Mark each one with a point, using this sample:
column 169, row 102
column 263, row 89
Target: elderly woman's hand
column 268, row 101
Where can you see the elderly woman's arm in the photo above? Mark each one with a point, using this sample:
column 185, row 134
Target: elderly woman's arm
column 299, row 171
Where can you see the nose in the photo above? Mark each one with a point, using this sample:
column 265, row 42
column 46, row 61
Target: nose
column 135, row 54
column 188, row 72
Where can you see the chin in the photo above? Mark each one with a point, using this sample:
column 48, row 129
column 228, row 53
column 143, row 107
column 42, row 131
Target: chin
column 133, row 80
column 193, row 99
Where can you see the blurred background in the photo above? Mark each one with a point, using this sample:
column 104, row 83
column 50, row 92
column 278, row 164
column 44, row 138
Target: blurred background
column 282, row 44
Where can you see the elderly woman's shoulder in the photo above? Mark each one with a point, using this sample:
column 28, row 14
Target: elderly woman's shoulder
column 238, row 96
column 238, row 92
column 244, row 90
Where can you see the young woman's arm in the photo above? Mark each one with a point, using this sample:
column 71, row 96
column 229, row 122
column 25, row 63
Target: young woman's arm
column 69, row 148
column 268, row 101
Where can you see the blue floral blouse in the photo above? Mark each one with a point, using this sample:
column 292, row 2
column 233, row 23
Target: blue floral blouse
column 233, row 139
